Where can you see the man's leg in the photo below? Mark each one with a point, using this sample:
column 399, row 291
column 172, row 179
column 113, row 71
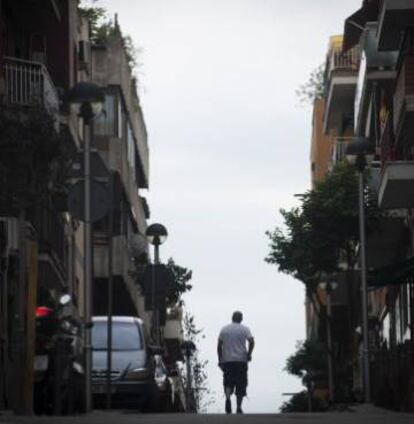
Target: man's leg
column 239, row 404
column 241, row 386
column 228, row 390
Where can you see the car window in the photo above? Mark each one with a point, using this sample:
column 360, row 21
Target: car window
column 125, row 336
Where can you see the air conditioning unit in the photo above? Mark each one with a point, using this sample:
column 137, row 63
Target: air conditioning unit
column 9, row 229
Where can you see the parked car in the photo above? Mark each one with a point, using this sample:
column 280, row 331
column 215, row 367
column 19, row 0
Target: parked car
column 132, row 370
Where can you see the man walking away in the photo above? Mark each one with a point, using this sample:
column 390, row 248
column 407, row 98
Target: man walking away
column 234, row 349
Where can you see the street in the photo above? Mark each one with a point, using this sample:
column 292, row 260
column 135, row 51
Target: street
column 367, row 416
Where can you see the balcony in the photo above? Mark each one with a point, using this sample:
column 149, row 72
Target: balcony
column 397, row 185
column 404, row 103
column 173, row 333
column 338, row 149
column 376, row 69
column 394, row 17
column 29, row 84
column 50, row 234
column 342, row 77
column 384, row 241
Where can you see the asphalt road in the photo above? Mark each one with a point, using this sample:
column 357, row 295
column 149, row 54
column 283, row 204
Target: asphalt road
column 120, row 417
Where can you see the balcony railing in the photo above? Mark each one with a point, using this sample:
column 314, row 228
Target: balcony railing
column 348, row 61
column 339, row 148
column 404, row 102
column 29, row 84
column 50, row 231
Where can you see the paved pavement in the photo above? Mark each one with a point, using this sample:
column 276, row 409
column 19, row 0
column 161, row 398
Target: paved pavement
column 361, row 415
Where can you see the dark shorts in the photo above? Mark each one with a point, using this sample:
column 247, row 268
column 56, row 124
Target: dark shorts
column 235, row 377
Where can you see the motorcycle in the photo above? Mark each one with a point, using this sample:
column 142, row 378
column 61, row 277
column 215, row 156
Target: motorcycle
column 58, row 367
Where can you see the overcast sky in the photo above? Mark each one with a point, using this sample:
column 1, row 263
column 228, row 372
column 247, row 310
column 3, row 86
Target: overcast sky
column 229, row 146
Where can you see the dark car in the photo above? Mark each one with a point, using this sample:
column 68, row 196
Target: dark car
column 132, row 371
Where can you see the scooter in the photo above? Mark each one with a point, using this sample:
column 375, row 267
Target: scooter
column 58, row 368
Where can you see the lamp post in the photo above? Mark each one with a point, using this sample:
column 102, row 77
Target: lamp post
column 328, row 284
column 156, row 235
column 86, row 99
column 359, row 153
column 188, row 347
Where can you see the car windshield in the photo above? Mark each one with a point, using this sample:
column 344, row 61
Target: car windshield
column 125, row 336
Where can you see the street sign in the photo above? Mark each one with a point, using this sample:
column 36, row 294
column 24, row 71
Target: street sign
column 99, row 200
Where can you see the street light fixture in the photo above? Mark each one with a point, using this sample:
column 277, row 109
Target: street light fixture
column 329, row 284
column 86, row 100
column 156, row 235
column 188, row 348
column 360, row 153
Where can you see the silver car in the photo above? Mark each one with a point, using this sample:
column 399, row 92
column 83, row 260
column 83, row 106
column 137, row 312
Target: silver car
column 132, row 371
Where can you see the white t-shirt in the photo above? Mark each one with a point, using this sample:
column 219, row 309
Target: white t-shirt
column 234, row 339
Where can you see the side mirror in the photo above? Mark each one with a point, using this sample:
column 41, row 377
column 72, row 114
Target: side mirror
column 156, row 350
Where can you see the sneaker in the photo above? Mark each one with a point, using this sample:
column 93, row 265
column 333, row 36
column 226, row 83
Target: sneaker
column 228, row 406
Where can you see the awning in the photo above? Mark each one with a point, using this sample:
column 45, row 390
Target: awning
column 392, row 275
column 355, row 24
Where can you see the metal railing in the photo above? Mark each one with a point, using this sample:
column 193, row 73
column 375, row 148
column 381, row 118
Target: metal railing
column 339, row 148
column 348, row 61
column 50, row 230
column 29, row 84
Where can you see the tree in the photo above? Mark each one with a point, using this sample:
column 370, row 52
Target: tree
column 180, row 281
column 308, row 363
column 201, row 390
column 309, row 359
column 324, row 230
column 33, row 159
column 314, row 88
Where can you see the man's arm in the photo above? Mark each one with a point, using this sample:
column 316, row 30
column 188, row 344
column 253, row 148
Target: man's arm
column 250, row 342
column 220, row 350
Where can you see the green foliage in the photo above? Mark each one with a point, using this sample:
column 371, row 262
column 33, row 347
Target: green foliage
column 202, row 394
column 95, row 15
column 103, row 29
column 314, row 88
column 180, row 284
column 33, row 157
column 324, row 228
column 310, row 358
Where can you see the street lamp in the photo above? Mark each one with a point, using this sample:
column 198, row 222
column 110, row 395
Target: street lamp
column 359, row 153
column 188, row 348
column 156, row 235
column 86, row 100
column 329, row 284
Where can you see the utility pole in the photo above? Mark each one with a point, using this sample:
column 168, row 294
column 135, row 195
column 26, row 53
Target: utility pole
column 110, row 290
column 329, row 340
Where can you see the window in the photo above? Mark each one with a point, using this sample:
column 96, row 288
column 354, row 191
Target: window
column 125, row 336
column 131, row 148
column 105, row 123
column 120, row 120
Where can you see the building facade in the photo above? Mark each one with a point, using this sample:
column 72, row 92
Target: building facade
column 368, row 94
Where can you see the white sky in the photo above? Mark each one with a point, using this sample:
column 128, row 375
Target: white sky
column 229, row 147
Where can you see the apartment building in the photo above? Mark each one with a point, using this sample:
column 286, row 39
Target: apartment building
column 368, row 94
column 38, row 64
column 45, row 50
column 120, row 141
column 382, row 114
